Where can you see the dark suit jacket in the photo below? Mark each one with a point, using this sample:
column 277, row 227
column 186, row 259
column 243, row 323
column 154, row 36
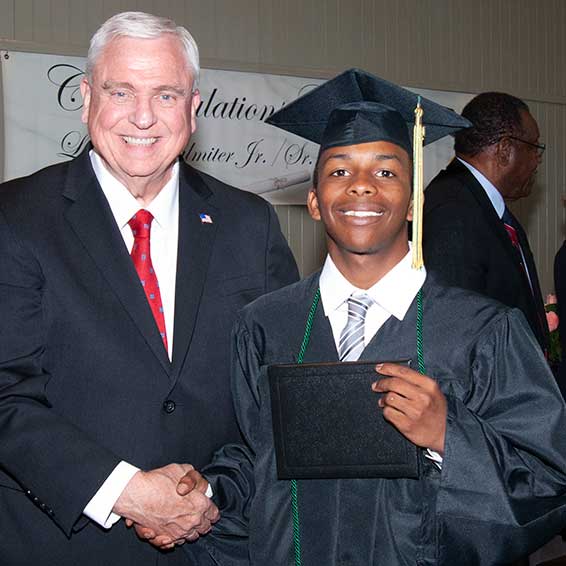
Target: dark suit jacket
column 560, row 288
column 466, row 245
column 84, row 379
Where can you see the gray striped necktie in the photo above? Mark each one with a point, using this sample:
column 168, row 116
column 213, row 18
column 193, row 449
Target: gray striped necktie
column 351, row 343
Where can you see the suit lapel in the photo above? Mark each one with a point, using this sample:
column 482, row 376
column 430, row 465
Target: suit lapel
column 493, row 220
column 498, row 227
column 196, row 240
column 537, row 302
column 92, row 221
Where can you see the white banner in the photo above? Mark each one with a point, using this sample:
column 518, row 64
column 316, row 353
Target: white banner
column 42, row 106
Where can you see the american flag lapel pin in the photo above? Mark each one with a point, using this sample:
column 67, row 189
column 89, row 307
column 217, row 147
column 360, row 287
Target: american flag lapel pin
column 205, row 218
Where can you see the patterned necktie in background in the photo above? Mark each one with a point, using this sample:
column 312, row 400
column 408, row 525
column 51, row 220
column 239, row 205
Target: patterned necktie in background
column 140, row 224
column 509, row 223
column 511, row 230
column 351, row 343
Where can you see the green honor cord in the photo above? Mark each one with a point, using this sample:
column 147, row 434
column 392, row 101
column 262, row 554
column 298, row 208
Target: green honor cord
column 300, row 357
column 294, row 495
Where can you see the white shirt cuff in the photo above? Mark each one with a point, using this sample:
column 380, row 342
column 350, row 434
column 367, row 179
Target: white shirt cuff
column 435, row 457
column 99, row 508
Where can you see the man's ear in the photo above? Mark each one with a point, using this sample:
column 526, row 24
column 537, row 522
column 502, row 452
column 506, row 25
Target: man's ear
column 312, row 204
column 85, row 92
column 195, row 101
column 503, row 151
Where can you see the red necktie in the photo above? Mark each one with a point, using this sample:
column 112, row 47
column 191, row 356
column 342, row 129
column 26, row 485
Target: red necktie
column 513, row 236
column 512, row 233
column 140, row 224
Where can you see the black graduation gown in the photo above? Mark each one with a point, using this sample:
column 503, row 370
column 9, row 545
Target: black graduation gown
column 502, row 489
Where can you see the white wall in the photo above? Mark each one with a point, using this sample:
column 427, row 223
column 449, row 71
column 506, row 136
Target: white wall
column 516, row 46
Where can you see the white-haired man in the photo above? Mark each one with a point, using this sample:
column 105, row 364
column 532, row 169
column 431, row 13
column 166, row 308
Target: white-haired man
column 120, row 274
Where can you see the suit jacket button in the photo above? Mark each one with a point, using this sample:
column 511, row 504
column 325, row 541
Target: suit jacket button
column 169, row 406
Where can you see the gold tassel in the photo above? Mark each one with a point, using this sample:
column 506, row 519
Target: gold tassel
column 418, row 189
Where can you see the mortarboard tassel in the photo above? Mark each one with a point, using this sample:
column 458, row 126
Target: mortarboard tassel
column 418, row 189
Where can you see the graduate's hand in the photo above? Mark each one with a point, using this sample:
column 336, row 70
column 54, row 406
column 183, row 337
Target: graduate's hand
column 414, row 404
column 192, row 480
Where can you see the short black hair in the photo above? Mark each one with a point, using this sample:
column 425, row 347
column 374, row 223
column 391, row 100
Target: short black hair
column 493, row 115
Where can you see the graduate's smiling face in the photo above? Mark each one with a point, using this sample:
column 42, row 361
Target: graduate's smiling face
column 363, row 198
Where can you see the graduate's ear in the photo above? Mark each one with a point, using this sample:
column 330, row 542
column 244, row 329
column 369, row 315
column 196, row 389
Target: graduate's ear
column 312, row 204
column 410, row 209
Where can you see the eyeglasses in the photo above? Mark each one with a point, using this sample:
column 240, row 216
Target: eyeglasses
column 540, row 147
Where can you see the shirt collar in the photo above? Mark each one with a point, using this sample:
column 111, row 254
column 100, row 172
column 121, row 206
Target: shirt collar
column 394, row 292
column 490, row 189
column 124, row 205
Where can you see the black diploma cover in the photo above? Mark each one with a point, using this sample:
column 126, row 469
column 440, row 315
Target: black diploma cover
column 327, row 424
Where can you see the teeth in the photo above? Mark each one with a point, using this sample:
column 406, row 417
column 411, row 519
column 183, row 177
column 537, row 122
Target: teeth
column 362, row 213
column 139, row 141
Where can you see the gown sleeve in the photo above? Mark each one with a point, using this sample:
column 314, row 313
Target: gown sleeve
column 231, row 472
column 503, row 485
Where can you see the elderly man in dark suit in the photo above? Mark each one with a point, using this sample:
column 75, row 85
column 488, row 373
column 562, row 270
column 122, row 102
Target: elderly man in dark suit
column 120, row 275
column 471, row 239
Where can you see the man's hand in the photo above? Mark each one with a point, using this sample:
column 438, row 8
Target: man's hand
column 413, row 404
column 151, row 499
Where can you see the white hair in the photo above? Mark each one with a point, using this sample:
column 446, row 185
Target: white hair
column 142, row 26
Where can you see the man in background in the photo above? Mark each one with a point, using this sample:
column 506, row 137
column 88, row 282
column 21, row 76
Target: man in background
column 471, row 239
column 120, row 276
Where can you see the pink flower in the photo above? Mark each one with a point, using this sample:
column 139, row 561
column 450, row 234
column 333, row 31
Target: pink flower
column 552, row 321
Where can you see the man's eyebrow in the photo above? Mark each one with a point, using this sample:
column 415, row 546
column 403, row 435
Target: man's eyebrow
column 171, row 88
column 107, row 85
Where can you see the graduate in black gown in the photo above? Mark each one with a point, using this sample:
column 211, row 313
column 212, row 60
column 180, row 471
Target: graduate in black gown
column 486, row 416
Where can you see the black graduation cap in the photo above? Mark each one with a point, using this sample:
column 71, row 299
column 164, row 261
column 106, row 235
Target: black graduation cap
column 358, row 107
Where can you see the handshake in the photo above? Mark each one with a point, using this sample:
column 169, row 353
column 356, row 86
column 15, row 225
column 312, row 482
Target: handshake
column 167, row 506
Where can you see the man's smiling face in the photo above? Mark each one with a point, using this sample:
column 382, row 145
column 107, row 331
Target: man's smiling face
column 363, row 198
column 140, row 108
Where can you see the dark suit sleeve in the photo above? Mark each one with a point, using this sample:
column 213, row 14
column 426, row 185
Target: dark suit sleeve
column 281, row 266
column 45, row 454
column 452, row 246
column 560, row 289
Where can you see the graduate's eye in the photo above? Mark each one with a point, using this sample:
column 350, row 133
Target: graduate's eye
column 386, row 173
column 339, row 173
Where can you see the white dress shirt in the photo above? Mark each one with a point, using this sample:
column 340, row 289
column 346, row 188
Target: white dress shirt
column 164, row 238
column 490, row 189
column 392, row 296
